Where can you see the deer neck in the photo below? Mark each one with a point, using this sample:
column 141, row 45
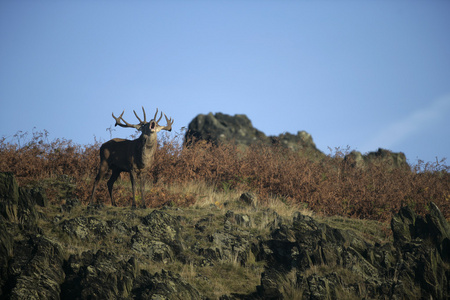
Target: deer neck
column 146, row 149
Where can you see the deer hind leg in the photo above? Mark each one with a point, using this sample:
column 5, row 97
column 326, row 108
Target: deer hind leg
column 115, row 174
column 132, row 177
column 101, row 173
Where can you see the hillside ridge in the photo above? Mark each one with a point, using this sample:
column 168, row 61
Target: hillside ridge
column 236, row 249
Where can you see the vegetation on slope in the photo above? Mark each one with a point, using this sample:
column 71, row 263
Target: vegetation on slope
column 331, row 186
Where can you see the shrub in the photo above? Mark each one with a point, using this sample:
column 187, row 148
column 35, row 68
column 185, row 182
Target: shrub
column 330, row 186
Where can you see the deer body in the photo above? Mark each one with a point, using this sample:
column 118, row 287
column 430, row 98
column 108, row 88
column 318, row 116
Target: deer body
column 131, row 156
column 139, row 153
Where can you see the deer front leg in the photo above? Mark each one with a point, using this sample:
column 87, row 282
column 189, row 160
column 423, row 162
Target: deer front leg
column 142, row 184
column 132, row 177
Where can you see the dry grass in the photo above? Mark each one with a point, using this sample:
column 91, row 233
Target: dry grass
column 204, row 174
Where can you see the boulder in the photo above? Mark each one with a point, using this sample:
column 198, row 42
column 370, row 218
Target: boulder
column 249, row 199
column 219, row 128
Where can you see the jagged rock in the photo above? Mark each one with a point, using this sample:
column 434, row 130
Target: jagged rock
column 240, row 219
column 394, row 159
column 70, row 204
column 204, row 223
column 249, row 199
column 398, row 159
column 93, row 228
column 226, row 247
column 164, row 228
column 104, row 276
column 39, row 196
column 301, row 256
column 230, row 244
column 321, row 287
column 164, row 285
column 355, row 159
column 16, row 203
column 243, row 220
column 301, row 142
column 35, row 270
column 415, row 266
column 98, row 276
column 159, row 237
column 153, row 249
column 439, row 230
column 223, row 128
column 85, row 228
column 434, row 228
column 6, row 252
column 424, row 245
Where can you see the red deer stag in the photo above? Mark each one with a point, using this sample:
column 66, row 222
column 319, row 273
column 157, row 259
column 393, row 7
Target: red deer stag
column 134, row 157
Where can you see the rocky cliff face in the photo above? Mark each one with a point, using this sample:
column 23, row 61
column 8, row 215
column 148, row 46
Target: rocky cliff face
column 111, row 253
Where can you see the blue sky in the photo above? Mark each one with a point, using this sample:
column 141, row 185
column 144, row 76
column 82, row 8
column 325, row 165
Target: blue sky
column 366, row 74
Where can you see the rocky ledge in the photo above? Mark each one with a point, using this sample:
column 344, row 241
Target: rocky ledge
column 78, row 252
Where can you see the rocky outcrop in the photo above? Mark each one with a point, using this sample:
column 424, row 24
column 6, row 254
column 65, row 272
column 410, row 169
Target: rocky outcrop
column 414, row 266
column 33, row 266
column 223, row 128
column 387, row 157
column 302, row 257
column 163, row 285
column 102, row 275
column 17, row 203
column 35, row 269
column 159, row 238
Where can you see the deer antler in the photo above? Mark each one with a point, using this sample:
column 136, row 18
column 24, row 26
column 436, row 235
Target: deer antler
column 169, row 123
column 156, row 114
column 125, row 123
column 145, row 117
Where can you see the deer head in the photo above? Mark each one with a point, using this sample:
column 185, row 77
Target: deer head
column 144, row 126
